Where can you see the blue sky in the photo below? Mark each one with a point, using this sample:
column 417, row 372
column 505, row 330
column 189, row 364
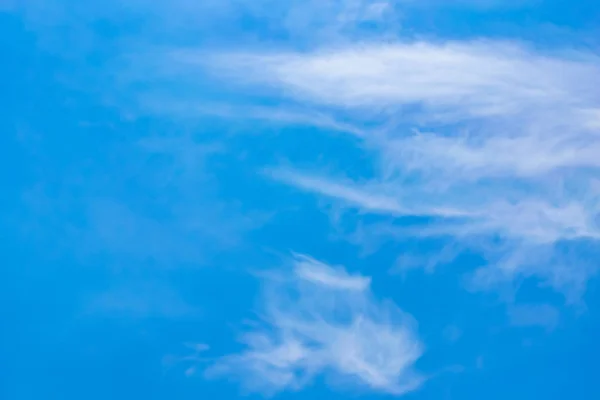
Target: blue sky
column 299, row 199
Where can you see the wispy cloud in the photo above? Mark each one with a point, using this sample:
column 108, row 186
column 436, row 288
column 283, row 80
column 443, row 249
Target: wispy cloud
column 311, row 270
column 365, row 199
column 322, row 320
column 496, row 132
column 373, row 199
column 490, row 78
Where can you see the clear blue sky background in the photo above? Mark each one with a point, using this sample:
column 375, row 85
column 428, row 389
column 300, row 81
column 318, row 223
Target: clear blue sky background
column 299, row 199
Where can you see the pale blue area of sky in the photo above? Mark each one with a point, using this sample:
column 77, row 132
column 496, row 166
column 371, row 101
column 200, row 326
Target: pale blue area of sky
column 132, row 223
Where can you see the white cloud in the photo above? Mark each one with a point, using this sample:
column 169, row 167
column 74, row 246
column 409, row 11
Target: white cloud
column 453, row 80
column 365, row 199
column 373, row 199
column 530, row 219
column 311, row 270
column 323, row 320
column 496, row 133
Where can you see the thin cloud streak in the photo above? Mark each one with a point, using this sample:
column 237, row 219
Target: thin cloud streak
column 370, row 199
column 311, row 270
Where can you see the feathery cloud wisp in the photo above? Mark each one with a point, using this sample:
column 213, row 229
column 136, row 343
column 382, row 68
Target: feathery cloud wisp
column 496, row 133
column 323, row 320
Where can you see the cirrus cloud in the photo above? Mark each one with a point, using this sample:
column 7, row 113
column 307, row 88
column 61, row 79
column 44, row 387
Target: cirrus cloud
column 498, row 134
column 319, row 320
